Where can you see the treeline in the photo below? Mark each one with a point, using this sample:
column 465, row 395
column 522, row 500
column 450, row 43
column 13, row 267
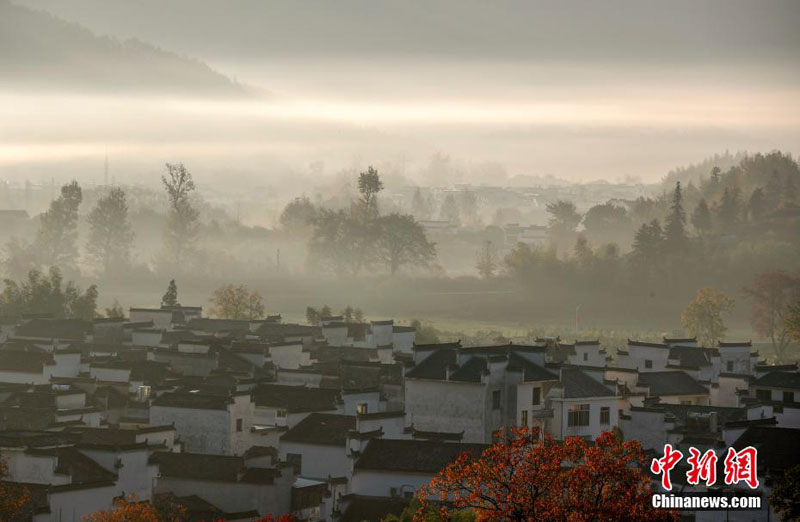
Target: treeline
column 358, row 240
column 733, row 225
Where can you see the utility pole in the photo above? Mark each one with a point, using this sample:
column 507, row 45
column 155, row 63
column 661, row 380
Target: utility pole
column 577, row 308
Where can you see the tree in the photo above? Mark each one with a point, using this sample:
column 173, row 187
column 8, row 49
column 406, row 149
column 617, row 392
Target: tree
column 469, row 208
column 647, row 248
column 312, row 316
column 45, row 294
column 182, row 218
column 130, row 510
column 171, row 296
column 583, row 253
column 607, row 223
column 792, row 322
column 426, row 333
column 772, row 293
column 729, row 210
column 785, row 495
column 15, row 499
column 369, row 184
column 116, row 311
column 701, row 218
column 402, row 241
column 564, row 219
column 57, row 241
column 298, row 215
column 486, row 260
column 757, row 205
column 431, row 513
column 525, row 478
column 111, row 237
column 336, row 243
column 675, row 229
column 237, row 302
column 702, row 317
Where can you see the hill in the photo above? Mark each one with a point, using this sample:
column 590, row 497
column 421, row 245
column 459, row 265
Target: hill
column 39, row 51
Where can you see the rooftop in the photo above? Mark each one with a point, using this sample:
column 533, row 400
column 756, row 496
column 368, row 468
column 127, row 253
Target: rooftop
column 413, row 456
column 326, row 429
column 671, row 383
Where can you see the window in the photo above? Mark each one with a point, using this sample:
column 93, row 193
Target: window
column 764, row 395
column 578, row 415
column 524, row 419
column 496, row 400
column 605, row 415
column 788, row 396
column 585, row 356
column 295, row 460
column 361, row 409
column 729, row 366
column 648, row 363
column 281, row 413
column 239, row 425
column 537, row 396
column 777, row 409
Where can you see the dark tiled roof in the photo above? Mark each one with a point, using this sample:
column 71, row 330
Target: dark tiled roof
column 295, row 399
column 24, row 361
column 280, row 330
column 437, row 346
column 222, row 468
column 693, row 357
column 78, row 466
column 671, row 383
column 577, row 384
column 54, row 328
column 413, row 456
column 471, row 371
column 724, row 414
column 777, row 447
column 361, row 508
column 642, row 343
column 321, row 428
column 673, row 340
column 779, row 380
column 434, row 366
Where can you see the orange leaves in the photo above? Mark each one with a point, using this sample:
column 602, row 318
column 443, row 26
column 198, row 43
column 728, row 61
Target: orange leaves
column 525, row 477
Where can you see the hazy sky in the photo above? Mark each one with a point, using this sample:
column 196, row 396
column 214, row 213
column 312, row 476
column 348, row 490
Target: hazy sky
column 579, row 90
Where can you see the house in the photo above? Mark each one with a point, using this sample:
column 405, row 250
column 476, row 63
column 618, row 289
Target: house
column 781, row 390
column 230, row 483
column 282, row 405
column 674, row 387
column 582, row 405
column 398, row 468
column 319, row 446
column 207, row 423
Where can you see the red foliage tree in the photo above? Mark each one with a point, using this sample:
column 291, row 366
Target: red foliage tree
column 131, row 510
column 525, row 478
column 772, row 294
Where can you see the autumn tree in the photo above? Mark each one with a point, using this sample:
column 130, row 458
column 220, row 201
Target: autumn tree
column 402, row 241
column 772, row 293
column 182, row 217
column 110, row 237
column 57, row 241
column 486, row 260
column 702, row 317
column 792, row 322
column 130, row 510
column 237, row 302
column 785, row 495
column 523, row 477
column 15, row 499
column 47, row 294
column 171, row 296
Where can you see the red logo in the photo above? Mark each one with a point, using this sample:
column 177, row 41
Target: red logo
column 740, row 466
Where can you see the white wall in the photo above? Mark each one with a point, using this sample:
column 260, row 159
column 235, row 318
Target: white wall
column 449, row 406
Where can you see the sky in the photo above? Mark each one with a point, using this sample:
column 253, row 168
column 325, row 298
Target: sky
column 577, row 90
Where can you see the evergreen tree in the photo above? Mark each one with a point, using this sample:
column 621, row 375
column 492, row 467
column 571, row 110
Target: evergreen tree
column 171, row 297
column 757, row 205
column 675, row 231
column 729, row 210
column 701, row 218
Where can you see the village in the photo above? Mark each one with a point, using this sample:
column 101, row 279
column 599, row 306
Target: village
column 343, row 421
